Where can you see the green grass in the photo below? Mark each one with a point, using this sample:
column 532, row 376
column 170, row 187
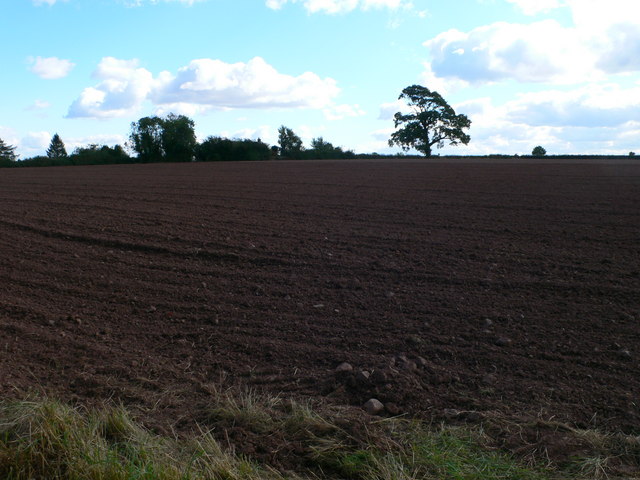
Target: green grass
column 46, row 439
column 50, row 440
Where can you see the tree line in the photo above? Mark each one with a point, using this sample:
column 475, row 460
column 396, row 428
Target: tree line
column 428, row 122
column 431, row 123
column 172, row 139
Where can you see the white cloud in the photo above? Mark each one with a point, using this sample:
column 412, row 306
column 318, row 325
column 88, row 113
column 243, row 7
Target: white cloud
column 589, row 106
column 8, row 135
column 202, row 85
column 43, row 2
column 533, row 7
column 254, row 84
column 123, row 88
column 339, row 6
column 339, row 112
column 540, row 52
column 601, row 15
column 604, row 39
column 591, row 119
column 34, row 143
column 388, row 110
column 50, row 68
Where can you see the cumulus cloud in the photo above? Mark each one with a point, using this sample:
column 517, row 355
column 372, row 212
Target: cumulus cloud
column 601, row 15
column 604, row 39
column 540, row 52
column 122, row 89
column 590, row 106
column 50, row 68
column 339, row 6
column 254, row 84
column 202, row 85
column 35, row 141
column 594, row 119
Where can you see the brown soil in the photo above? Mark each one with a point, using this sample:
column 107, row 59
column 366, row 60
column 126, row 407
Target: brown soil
column 511, row 288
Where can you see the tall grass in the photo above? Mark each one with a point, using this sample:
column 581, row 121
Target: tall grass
column 46, row 439
column 50, row 440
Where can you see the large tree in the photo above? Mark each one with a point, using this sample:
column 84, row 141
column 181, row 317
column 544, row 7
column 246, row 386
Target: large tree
column 157, row 139
column 7, row 153
column 178, row 138
column 431, row 122
column 290, row 143
column 146, row 139
column 56, row 148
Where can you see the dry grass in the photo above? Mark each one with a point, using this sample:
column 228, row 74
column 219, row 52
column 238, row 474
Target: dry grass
column 45, row 439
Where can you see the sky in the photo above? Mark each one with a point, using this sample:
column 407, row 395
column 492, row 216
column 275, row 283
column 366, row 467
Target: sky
column 564, row 74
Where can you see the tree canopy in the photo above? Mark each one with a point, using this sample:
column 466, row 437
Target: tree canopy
column 56, row 148
column 157, row 139
column 99, row 155
column 290, row 143
column 178, row 138
column 7, row 153
column 321, row 149
column 432, row 122
column 539, row 151
column 218, row 149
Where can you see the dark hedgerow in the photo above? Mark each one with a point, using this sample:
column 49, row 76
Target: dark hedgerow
column 218, row 149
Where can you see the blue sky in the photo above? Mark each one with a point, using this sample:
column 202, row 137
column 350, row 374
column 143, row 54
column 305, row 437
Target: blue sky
column 564, row 74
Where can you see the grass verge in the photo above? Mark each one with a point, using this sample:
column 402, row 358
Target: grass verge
column 251, row 436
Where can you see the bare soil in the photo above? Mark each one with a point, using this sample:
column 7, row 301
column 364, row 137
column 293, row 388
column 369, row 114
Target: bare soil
column 460, row 287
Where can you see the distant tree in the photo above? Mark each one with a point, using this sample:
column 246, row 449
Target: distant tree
column 632, row 154
column 7, row 154
column 170, row 139
column 539, row 151
column 146, row 139
column 99, row 155
column 321, row 149
column 217, row 149
column 178, row 138
column 45, row 161
column 432, row 122
column 56, row 148
column 290, row 143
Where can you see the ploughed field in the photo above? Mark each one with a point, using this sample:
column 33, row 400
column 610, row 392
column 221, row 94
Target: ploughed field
column 488, row 287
